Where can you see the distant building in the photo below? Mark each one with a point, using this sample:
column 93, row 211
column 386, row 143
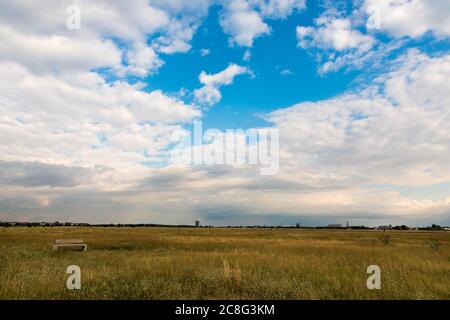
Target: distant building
column 384, row 228
column 335, row 225
column 297, row 225
column 197, row 223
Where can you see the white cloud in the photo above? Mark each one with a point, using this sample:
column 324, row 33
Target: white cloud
column 413, row 18
column 72, row 143
column 177, row 38
column 243, row 20
column 209, row 94
column 192, row 7
column 276, row 9
column 335, row 156
column 80, row 94
column 186, row 16
column 131, row 20
column 131, row 24
column 393, row 133
column 53, row 53
column 142, row 60
column 333, row 33
column 247, row 55
column 286, row 72
column 224, row 77
column 242, row 23
column 339, row 40
column 205, row 52
column 49, row 88
column 77, row 119
column 337, row 43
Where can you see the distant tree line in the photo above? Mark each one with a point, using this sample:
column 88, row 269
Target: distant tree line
column 433, row 227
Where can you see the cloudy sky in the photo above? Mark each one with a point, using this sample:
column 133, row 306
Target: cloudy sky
column 359, row 90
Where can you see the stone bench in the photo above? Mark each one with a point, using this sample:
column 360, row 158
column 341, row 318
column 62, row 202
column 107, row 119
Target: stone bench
column 70, row 243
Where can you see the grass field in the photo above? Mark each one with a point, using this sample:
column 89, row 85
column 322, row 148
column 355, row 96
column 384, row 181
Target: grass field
column 189, row 263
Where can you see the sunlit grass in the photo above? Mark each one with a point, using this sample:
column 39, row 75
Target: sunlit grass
column 173, row 263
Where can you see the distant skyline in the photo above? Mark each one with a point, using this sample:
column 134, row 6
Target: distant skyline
column 91, row 93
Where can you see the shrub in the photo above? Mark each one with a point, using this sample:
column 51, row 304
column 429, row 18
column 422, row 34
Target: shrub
column 434, row 245
column 386, row 239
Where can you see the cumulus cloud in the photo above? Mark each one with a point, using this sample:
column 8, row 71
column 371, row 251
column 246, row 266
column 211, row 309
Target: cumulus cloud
column 110, row 31
column 209, row 94
column 339, row 40
column 336, row 155
column 53, row 53
column 336, row 42
column 177, row 38
column 129, row 20
column 85, row 94
column 412, row 18
column 78, row 119
column 51, row 91
column 243, row 20
column 242, row 23
column 391, row 134
column 142, row 60
column 57, row 48
column 278, row 8
column 106, row 24
column 333, row 33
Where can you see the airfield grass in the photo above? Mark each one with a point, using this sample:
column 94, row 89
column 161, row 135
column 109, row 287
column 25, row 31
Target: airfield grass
column 219, row 263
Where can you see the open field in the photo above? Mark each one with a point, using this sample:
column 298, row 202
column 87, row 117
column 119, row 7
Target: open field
column 188, row 263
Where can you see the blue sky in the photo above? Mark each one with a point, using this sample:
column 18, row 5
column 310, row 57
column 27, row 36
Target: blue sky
column 243, row 102
column 92, row 94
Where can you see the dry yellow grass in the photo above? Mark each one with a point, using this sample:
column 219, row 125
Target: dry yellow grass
column 175, row 263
